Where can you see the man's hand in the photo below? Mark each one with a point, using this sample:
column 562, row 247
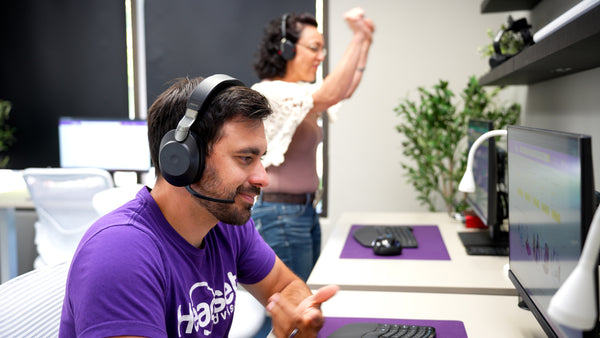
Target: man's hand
column 302, row 320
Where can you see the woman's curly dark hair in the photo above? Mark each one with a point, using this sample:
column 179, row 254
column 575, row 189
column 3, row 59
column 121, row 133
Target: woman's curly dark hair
column 267, row 62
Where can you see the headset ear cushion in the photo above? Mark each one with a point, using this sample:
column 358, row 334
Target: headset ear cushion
column 497, row 59
column 181, row 163
column 287, row 50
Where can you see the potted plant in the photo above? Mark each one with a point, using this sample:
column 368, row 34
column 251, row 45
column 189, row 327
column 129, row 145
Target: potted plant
column 510, row 40
column 435, row 129
column 7, row 132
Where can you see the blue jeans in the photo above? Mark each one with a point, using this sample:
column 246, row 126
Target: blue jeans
column 292, row 230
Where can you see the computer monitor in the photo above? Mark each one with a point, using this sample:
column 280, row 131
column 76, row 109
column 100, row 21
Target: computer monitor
column 111, row 144
column 551, row 194
column 488, row 202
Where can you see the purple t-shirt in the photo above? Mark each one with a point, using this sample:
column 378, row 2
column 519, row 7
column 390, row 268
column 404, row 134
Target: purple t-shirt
column 133, row 274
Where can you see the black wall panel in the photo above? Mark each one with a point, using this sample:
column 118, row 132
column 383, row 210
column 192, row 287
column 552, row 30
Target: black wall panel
column 68, row 57
column 201, row 38
column 60, row 57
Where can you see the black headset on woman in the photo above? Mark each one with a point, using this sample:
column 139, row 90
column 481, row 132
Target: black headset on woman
column 287, row 49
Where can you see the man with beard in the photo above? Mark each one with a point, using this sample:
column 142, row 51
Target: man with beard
column 167, row 263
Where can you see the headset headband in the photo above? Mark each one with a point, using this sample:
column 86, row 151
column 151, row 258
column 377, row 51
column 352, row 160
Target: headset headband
column 283, row 23
column 287, row 48
column 199, row 98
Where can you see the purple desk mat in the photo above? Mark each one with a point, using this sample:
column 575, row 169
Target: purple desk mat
column 431, row 246
column 443, row 328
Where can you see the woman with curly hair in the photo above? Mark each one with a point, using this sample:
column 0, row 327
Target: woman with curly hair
column 286, row 62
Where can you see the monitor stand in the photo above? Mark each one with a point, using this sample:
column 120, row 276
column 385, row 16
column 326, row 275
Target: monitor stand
column 480, row 243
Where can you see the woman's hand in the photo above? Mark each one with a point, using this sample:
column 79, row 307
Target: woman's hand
column 354, row 17
column 358, row 23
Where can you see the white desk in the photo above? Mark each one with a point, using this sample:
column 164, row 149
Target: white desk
column 13, row 195
column 461, row 274
column 482, row 315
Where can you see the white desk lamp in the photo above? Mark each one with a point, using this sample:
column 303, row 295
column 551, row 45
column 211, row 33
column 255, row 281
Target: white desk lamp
column 574, row 304
column 467, row 183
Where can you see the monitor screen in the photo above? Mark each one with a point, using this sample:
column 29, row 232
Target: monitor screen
column 551, row 194
column 111, row 144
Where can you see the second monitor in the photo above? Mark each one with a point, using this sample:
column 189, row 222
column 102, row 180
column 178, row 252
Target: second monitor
column 111, row 144
column 489, row 201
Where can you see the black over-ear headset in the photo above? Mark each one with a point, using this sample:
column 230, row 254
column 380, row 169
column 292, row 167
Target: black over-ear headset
column 181, row 156
column 287, row 49
column 521, row 27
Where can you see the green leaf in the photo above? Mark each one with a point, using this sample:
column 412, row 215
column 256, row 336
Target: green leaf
column 434, row 126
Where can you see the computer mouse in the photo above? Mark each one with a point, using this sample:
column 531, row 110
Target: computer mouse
column 386, row 245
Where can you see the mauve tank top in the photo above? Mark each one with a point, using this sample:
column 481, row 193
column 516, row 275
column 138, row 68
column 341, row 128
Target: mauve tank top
column 298, row 173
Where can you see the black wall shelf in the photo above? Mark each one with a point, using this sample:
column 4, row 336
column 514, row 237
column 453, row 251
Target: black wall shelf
column 492, row 6
column 573, row 48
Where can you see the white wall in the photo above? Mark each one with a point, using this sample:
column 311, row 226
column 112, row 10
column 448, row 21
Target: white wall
column 570, row 103
column 416, row 43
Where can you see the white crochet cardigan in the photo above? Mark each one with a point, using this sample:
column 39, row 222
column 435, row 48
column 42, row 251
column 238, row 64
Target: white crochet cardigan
column 290, row 102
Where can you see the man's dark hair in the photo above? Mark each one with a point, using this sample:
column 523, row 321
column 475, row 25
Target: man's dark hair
column 233, row 102
column 268, row 63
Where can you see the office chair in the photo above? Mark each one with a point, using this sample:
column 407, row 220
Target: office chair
column 63, row 202
column 31, row 304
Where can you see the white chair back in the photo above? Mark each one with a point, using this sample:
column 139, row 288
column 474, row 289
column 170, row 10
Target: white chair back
column 63, row 203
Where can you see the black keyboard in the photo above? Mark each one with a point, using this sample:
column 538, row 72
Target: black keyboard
column 487, row 250
column 403, row 233
column 373, row 330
